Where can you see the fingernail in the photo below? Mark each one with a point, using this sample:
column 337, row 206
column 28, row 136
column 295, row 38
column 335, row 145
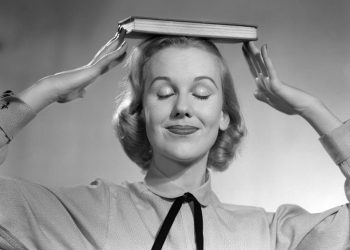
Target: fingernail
column 265, row 45
column 121, row 29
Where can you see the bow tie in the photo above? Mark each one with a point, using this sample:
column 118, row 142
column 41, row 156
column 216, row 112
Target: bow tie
column 169, row 219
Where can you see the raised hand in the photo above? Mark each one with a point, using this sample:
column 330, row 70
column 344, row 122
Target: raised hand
column 283, row 97
column 270, row 89
column 69, row 85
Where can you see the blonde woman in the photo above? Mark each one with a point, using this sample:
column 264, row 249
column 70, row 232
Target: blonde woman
column 178, row 117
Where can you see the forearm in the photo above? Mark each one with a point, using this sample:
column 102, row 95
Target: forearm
column 39, row 95
column 334, row 136
column 320, row 117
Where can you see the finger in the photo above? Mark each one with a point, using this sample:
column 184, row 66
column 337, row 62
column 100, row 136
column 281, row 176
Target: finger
column 252, row 58
column 111, row 45
column 116, row 41
column 252, row 68
column 121, row 33
column 112, row 59
column 262, row 83
column 274, row 82
column 113, row 54
column 117, row 61
column 112, row 64
column 255, row 54
column 259, row 77
column 262, row 97
column 270, row 68
column 116, row 53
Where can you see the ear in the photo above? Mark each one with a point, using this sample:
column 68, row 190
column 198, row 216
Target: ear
column 224, row 121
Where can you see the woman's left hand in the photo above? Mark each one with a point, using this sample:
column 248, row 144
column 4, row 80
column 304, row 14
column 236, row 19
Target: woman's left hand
column 285, row 98
column 270, row 89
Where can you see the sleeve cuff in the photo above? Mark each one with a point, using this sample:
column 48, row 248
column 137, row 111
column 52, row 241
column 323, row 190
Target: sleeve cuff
column 337, row 143
column 15, row 116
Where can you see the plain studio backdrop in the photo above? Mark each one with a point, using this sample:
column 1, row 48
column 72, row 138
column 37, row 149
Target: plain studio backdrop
column 281, row 159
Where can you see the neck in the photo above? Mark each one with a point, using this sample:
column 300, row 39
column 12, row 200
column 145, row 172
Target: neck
column 188, row 175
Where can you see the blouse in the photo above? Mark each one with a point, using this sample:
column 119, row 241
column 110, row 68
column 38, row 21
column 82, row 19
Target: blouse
column 104, row 215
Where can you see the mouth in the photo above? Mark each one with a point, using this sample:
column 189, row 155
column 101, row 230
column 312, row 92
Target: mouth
column 182, row 129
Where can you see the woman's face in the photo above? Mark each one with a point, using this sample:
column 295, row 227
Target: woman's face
column 182, row 103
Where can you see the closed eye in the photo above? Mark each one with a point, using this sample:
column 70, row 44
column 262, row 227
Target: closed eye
column 201, row 97
column 165, row 91
column 202, row 90
column 164, row 96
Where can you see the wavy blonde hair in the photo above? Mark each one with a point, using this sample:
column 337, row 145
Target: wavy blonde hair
column 129, row 125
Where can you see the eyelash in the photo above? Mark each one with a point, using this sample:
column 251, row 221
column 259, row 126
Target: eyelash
column 200, row 97
column 161, row 97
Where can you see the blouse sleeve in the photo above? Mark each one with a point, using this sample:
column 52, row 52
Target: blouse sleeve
column 14, row 115
column 337, row 144
column 38, row 217
column 292, row 227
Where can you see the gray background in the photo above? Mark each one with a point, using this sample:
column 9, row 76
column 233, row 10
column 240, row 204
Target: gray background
column 281, row 160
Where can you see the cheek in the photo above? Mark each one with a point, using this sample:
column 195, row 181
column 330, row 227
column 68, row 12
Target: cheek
column 155, row 114
column 209, row 113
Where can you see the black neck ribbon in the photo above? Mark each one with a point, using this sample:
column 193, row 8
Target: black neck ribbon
column 169, row 219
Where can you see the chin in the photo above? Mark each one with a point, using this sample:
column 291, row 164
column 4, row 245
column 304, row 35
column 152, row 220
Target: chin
column 184, row 150
column 185, row 155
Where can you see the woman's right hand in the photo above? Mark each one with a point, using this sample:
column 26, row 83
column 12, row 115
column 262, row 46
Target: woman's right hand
column 69, row 85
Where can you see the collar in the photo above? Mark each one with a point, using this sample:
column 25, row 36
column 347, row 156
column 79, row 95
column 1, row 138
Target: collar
column 161, row 185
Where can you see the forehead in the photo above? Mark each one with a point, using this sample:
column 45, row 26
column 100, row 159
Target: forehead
column 177, row 62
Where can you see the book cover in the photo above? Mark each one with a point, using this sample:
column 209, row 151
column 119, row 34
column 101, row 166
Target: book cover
column 143, row 27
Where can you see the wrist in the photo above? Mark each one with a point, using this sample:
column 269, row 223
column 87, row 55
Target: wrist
column 320, row 117
column 312, row 108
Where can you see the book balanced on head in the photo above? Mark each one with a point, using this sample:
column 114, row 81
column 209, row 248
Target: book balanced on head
column 139, row 27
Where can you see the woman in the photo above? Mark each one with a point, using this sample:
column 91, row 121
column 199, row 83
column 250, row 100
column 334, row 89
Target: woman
column 179, row 118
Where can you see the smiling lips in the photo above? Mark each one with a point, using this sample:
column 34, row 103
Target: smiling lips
column 182, row 129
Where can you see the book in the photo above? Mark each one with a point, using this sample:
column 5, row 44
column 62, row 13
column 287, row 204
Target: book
column 141, row 27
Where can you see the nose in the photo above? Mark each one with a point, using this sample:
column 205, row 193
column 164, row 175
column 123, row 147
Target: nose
column 182, row 107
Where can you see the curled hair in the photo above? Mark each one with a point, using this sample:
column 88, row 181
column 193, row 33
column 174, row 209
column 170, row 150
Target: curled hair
column 129, row 124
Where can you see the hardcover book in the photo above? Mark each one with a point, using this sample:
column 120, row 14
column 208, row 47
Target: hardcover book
column 141, row 27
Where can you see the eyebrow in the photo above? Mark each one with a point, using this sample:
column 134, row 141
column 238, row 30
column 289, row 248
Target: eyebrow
column 159, row 78
column 206, row 77
column 198, row 78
